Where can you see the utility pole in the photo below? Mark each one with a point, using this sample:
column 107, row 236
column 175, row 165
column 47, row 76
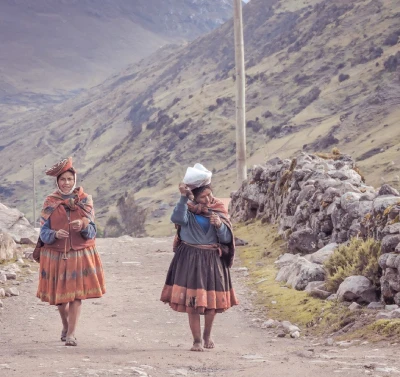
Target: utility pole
column 34, row 195
column 240, row 94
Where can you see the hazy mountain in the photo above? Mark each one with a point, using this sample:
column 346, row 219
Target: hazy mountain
column 319, row 74
column 53, row 47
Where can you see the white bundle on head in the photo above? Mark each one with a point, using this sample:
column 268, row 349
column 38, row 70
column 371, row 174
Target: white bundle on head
column 197, row 176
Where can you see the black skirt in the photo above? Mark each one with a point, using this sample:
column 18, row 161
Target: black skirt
column 198, row 280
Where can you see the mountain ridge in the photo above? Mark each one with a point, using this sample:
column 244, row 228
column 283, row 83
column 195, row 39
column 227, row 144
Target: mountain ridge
column 318, row 75
column 51, row 48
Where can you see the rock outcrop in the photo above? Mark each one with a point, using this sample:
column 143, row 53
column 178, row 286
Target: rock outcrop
column 7, row 247
column 322, row 200
column 15, row 224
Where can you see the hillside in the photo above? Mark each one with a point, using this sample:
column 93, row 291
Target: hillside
column 319, row 74
column 52, row 49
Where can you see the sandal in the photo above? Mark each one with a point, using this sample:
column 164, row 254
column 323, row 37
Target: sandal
column 71, row 342
column 63, row 336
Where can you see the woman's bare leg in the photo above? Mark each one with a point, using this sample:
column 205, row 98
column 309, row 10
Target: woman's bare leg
column 73, row 317
column 194, row 322
column 63, row 310
column 208, row 323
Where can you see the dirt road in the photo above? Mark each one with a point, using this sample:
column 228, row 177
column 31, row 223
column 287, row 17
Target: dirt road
column 129, row 332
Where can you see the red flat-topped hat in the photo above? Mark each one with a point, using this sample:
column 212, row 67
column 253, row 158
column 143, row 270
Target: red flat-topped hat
column 61, row 167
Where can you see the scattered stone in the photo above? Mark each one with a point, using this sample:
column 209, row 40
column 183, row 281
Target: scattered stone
column 354, row 306
column 322, row 255
column 395, row 314
column 333, row 297
column 7, row 246
column 3, row 278
column 295, row 335
column 240, row 242
column 1, row 304
column 240, row 269
column 316, row 289
column 391, row 307
column 2, row 293
column 269, row 324
column 12, row 292
column 376, row 306
column 329, row 342
column 357, row 288
column 288, row 328
column 313, row 285
column 383, row 315
column 11, row 275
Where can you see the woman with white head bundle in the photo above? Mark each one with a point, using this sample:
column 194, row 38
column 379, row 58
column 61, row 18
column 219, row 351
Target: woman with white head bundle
column 198, row 280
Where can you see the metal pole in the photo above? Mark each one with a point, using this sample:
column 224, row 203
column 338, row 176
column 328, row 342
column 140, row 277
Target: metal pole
column 240, row 94
column 34, row 196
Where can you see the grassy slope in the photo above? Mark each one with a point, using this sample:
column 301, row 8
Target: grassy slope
column 107, row 128
column 277, row 301
column 79, row 44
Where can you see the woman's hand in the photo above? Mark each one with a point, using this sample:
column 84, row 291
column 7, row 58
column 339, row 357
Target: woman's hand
column 185, row 190
column 76, row 225
column 216, row 220
column 61, row 233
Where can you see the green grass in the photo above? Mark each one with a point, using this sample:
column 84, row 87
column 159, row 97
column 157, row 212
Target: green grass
column 314, row 316
column 377, row 331
column 295, row 306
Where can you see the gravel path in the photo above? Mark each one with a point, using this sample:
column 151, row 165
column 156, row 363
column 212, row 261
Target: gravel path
column 129, row 332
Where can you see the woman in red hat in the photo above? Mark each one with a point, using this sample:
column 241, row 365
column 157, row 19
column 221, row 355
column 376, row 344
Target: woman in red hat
column 70, row 267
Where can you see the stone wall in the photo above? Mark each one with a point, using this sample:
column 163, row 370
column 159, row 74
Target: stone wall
column 323, row 200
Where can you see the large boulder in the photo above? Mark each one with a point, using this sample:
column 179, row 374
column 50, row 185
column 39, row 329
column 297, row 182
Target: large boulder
column 303, row 241
column 322, row 255
column 7, row 247
column 286, row 260
column 388, row 190
column 389, row 243
column 317, row 289
column 357, row 288
column 13, row 222
column 383, row 202
column 301, row 273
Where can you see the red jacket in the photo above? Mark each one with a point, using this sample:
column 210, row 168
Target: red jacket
column 60, row 219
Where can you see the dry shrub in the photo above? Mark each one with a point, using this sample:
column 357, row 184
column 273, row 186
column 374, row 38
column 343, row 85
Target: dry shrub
column 357, row 170
column 133, row 215
column 113, row 228
column 358, row 257
column 334, row 155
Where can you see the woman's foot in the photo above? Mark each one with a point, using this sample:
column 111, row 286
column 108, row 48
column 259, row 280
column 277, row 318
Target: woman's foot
column 64, row 335
column 71, row 341
column 208, row 343
column 197, row 347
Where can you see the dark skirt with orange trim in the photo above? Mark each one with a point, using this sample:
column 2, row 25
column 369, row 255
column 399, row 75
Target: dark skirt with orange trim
column 198, row 281
column 78, row 277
